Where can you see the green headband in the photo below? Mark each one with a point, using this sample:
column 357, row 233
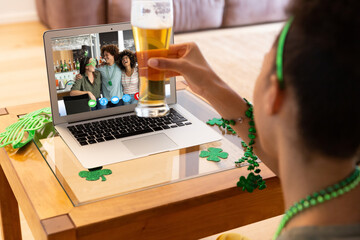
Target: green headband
column 92, row 63
column 280, row 53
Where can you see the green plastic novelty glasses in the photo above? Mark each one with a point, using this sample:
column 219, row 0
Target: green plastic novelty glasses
column 92, row 63
column 280, row 53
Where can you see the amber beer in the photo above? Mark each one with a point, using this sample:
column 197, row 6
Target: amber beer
column 151, row 43
column 152, row 22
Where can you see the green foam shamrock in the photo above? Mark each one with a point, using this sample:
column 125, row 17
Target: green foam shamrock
column 222, row 123
column 95, row 175
column 29, row 123
column 214, row 154
column 215, row 121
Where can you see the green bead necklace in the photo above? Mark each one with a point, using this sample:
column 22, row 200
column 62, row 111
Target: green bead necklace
column 316, row 198
column 254, row 180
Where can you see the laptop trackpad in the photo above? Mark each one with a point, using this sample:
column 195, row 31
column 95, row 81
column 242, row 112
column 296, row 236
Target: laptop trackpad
column 150, row 144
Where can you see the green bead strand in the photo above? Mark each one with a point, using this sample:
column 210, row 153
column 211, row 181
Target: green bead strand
column 252, row 181
column 316, row 198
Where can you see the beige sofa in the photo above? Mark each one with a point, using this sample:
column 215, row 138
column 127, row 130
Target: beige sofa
column 189, row 15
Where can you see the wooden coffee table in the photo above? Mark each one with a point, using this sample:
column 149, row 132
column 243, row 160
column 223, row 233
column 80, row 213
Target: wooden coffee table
column 173, row 195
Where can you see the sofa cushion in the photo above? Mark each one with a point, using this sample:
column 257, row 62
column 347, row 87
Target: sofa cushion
column 119, row 11
column 189, row 15
column 69, row 13
column 241, row 12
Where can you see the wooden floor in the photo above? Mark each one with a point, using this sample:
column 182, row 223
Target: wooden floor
column 235, row 54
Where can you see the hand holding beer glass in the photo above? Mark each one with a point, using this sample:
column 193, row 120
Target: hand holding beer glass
column 152, row 22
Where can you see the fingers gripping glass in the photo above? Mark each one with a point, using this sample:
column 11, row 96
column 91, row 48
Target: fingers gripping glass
column 280, row 53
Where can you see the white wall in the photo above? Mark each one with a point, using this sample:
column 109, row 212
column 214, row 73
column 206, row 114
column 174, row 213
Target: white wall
column 17, row 11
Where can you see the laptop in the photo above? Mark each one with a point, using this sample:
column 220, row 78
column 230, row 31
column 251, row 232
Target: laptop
column 109, row 134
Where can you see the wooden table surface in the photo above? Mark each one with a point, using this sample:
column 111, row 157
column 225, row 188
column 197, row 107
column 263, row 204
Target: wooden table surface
column 188, row 209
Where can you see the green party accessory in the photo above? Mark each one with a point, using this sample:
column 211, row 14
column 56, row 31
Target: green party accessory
column 253, row 180
column 280, row 53
column 92, row 63
column 226, row 124
column 29, row 123
column 95, row 175
column 214, row 154
column 319, row 197
column 108, row 75
column 215, row 121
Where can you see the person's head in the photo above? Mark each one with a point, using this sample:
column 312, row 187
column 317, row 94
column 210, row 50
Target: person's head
column 318, row 107
column 127, row 58
column 87, row 64
column 109, row 52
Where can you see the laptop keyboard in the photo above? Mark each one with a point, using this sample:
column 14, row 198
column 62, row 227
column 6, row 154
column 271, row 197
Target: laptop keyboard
column 120, row 127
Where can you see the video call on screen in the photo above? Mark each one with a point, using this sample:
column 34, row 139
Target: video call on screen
column 69, row 52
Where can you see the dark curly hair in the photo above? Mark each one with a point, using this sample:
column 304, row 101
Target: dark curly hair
column 130, row 54
column 111, row 48
column 321, row 67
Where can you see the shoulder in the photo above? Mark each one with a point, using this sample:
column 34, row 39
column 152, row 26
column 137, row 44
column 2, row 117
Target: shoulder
column 322, row 232
column 97, row 73
column 100, row 69
column 117, row 67
column 82, row 79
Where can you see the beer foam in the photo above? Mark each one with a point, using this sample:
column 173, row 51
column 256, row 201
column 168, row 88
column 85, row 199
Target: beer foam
column 156, row 14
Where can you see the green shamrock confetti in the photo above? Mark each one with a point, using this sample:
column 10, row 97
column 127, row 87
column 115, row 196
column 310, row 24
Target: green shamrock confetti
column 222, row 123
column 95, row 175
column 251, row 182
column 29, row 123
column 214, row 154
column 215, row 121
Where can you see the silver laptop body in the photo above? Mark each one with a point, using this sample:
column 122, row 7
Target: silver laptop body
column 122, row 149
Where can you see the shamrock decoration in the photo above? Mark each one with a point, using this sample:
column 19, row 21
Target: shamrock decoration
column 251, row 182
column 95, row 175
column 214, row 154
column 31, row 122
column 222, row 123
column 215, row 121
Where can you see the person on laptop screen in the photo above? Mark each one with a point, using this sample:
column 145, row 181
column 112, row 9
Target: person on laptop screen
column 111, row 75
column 90, row 81
column 129, row 74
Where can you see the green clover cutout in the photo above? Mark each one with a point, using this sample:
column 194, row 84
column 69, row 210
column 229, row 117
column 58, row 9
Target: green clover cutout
column 215, row 121
column 14, row 134
column 95, row 175
column 214, row 154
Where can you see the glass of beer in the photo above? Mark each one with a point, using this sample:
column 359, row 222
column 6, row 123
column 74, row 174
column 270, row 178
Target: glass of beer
column 152, row 22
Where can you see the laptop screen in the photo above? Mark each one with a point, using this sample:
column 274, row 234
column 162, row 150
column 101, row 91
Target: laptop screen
column 96, row 71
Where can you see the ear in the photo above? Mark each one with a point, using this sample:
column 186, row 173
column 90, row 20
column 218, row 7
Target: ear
column 275, row 96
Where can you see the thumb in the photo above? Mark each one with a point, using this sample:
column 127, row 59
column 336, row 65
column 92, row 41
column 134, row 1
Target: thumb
column 175, row 65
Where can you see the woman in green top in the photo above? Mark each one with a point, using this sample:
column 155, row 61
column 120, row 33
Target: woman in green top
column 90, row 81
